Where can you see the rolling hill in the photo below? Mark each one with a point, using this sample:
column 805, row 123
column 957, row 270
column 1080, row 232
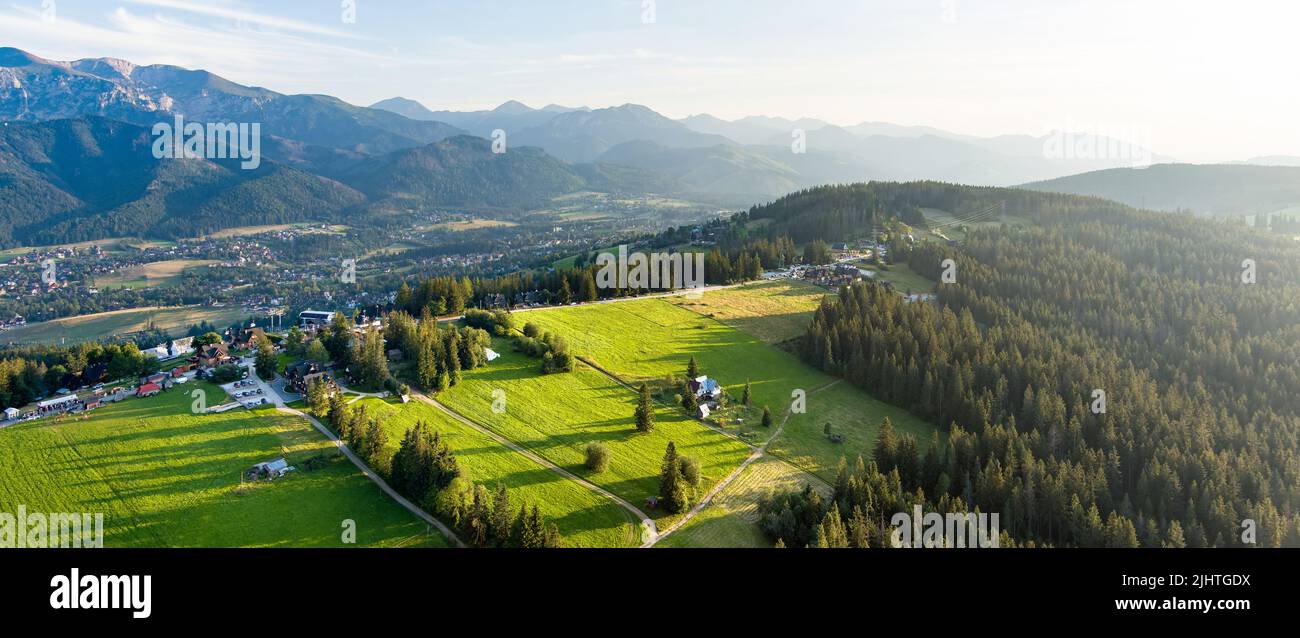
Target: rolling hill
column 1211, row 189
column 89, row 178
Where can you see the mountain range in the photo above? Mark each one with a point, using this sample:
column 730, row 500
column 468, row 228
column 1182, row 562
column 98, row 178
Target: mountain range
column 334, row 159
column 1208, row 189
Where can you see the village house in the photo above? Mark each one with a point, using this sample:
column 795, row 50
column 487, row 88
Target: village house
column 212, row 355
column 705, row 388
column 299, row 377
column 148, row 390
column 248, row 338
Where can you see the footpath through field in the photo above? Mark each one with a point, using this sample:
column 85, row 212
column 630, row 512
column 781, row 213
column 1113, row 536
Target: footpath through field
column 280, row 405
column 758, row 452
column 649, row 532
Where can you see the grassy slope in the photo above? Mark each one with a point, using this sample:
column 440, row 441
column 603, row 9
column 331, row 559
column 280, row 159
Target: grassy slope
column 652, row 338
column 164, row 477
column 585, row 518
column 106, row 324
column 556, row 416
column 158, row 273
column 731, row 519
column 773, row 311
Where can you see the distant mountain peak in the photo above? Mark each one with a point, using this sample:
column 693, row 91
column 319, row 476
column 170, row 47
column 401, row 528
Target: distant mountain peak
column 512, row 107
column 12, row 57
column 556, row 108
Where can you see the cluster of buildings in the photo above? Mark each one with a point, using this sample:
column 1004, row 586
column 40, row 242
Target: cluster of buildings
column 707, row 393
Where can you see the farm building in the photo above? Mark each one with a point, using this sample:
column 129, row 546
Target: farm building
column 270, row 469
column 148, row 390
column 312, row 320
column 61, row 404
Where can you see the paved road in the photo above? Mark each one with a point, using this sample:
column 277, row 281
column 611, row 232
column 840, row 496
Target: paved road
column 649, row 534
column 279, row 403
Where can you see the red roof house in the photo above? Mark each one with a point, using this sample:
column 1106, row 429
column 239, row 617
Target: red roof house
column 148, row 390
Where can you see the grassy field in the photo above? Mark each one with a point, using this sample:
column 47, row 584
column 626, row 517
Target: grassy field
column 159, row 273
column 103, row 325
column 903, row 277
column 557, row 415
column 463, row 225
column 731, row 519
column 772, row 311
column 650, row 338
column 164, row 477
column 585, row 518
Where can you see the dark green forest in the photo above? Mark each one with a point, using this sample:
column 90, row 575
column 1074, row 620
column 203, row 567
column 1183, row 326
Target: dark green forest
column 1200, row 370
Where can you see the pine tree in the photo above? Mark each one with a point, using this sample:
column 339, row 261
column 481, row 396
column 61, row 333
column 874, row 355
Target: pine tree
column 479, row 519
column 746, row 397
column 858, row 529
column 692, row 369
column 645, row 414
column 673, row 491
column 501, row 517
column 767, row 417
column 689, row 403
column 834, row 536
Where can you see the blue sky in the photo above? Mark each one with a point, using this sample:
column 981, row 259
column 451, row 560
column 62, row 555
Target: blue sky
column 1201, row 81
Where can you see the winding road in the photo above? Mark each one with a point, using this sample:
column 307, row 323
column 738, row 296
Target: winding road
column 278, row 402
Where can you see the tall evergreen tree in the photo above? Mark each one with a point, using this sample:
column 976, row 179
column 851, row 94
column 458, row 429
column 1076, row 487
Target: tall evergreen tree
column 645, row 413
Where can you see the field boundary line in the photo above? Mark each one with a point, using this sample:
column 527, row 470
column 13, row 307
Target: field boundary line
column 649, row 529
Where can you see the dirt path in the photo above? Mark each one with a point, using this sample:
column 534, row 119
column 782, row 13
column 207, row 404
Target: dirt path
column 280, row 406
column 649, row 532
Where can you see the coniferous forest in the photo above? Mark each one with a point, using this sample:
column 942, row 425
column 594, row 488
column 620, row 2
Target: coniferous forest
column 1190, row 328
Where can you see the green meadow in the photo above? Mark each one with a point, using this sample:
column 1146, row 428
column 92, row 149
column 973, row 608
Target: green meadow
column 585, row 518
column 164, row 477
column 556, row 416
column 650, row 338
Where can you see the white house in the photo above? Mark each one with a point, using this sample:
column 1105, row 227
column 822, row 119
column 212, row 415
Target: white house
column 11, row 414
column 184, row 345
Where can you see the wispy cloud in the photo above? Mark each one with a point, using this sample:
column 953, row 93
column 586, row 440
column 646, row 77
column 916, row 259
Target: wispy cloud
column 242, row 15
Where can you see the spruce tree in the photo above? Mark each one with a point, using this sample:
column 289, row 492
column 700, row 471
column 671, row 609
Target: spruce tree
column 689, row 403
column 673, row 491
column 746, row 397
column 692, row 369
column 501, row 517
column 767, row 417
column 645, row 413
